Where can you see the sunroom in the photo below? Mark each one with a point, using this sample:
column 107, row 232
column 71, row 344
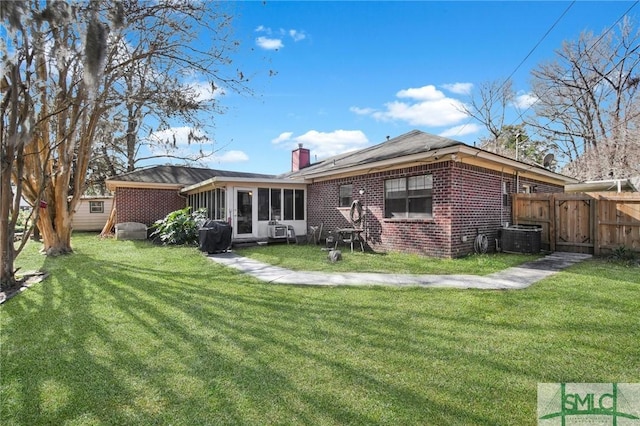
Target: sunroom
column 258, row 209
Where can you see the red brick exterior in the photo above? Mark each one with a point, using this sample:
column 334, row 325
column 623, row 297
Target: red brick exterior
column 146, row 205
column 467, row 201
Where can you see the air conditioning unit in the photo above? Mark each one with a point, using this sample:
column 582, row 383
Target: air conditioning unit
column 277, row 231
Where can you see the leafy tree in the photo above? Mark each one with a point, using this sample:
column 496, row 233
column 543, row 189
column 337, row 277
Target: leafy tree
column 514, row 142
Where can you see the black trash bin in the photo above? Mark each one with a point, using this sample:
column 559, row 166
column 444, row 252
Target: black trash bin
column 214, row 236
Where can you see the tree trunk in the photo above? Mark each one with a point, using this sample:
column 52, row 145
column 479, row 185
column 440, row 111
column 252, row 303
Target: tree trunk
column 108, row 227
column 7, row 232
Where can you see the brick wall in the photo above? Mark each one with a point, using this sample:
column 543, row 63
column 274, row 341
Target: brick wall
column 467, row 201
column 146, row 205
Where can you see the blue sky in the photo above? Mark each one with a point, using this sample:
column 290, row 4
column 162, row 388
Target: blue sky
column 349, row 74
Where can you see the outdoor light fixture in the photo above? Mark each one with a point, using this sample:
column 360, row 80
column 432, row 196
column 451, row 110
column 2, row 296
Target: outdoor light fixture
column 361, row 192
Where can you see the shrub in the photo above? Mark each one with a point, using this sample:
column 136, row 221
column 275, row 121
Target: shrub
column 623, row 255
column 179, row 227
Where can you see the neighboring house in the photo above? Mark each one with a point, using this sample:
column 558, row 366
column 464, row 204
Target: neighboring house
column 631, row 184
column 91, row 213
column 421, row 193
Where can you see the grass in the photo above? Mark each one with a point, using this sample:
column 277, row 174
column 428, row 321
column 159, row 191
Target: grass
column 302, row 257
column 131, row 333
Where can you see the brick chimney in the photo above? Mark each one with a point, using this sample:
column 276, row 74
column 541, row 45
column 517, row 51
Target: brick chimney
column 300, row 158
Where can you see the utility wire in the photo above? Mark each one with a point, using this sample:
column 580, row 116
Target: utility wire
column 520, row 116
column 523, row 60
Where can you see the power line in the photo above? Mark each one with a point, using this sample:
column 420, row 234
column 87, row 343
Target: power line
column 520, row 115
column 525, row 58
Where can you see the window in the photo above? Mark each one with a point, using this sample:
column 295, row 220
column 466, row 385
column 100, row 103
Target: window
column 408, row 197
column 288, row 204
column 345, row 195
column 96, row 206
column 298, row 204
column 505, row 193
column 270, row 204
column 276, row 204
column 220, row 213
column 263, row 203
column 528, row 189
column 213, row 201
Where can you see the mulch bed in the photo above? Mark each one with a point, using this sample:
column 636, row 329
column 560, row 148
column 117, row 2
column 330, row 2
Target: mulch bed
column 28, row 280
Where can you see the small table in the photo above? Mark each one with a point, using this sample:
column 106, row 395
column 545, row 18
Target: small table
column 350, row 235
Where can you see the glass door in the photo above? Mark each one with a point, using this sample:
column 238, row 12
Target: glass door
column 244, row 212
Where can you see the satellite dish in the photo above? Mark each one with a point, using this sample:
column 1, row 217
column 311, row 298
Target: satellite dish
column 548, row 159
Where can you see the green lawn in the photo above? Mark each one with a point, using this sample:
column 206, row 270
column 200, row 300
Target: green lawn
column 130, row 333
column 302, row 257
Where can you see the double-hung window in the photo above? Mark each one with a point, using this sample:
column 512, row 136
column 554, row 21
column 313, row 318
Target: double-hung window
column 96, row 206
column 346, row 192
column 408, row 197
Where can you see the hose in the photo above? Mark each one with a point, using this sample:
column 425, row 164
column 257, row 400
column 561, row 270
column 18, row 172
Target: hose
column 481, row 244
column 355, row 213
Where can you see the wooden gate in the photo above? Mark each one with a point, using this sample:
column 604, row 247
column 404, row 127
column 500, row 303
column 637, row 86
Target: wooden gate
column 581, row 222
column 574, row 223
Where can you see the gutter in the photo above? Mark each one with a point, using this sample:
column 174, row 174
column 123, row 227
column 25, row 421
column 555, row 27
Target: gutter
column 221, row 179
column 445, row 154
column 599, row 185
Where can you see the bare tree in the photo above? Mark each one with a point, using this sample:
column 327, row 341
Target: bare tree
column 16, row 129
column 51, row 64
column 65, row 67
column 587, row 101
column 490, row 106
column 166, row 80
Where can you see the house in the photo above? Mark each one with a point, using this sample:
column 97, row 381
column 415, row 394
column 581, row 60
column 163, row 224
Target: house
column 420, row 193
column 91, row 213
column 248, row 201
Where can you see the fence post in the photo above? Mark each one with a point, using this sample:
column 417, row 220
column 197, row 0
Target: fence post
column 595, row 217
column 553, row 219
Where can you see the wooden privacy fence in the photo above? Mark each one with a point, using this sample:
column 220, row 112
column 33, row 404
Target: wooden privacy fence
column 594, row 222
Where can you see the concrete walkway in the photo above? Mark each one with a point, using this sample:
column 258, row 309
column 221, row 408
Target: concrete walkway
column 512, row 278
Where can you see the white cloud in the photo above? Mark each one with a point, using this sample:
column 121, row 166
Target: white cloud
column 463, row 129
column 284, row 137
column 269, row 43
column 424, row 93
column 325, row 144
column 459, row 88
column 524, row 100
column 275, row 40
column 362, row 111
column 231, row 157
column 204, row 91
column 297, row 35
column 426, row 106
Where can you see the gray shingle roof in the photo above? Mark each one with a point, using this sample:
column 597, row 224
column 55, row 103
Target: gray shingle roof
column 413, row 142
column 179, row 175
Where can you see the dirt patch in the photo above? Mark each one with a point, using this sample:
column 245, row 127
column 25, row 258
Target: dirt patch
column 28, row 280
